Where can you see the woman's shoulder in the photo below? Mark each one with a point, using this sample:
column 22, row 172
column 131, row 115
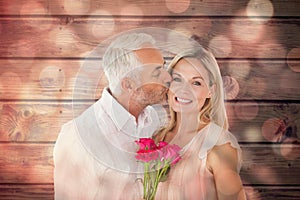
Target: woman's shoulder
column 226, row 149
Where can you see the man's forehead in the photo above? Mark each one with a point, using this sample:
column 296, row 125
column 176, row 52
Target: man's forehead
column 149, row 55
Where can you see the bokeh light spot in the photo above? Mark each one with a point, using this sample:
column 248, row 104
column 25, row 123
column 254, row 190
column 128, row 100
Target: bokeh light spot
column 36, row 8
column 63, row 38
column 247, row 30
column 220, row 46
column 265, row 174
column 52, row 76
column 231, row 87
column 77, row 6
column 289, row 150
column 31, row 7
column 273, row 129
column 240, row 70
column 176, row 6
column 294, row 54
column 246, row 112
column 252, row 133
column 260, row 8
column 132, row 9
column 105, row 27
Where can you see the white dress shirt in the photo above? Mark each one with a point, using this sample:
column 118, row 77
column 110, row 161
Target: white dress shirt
column 94, row 153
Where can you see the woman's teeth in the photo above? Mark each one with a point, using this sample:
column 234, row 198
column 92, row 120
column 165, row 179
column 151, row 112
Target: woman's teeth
column 180, row 100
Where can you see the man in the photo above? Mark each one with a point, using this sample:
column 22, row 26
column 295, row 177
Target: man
column 94, row 153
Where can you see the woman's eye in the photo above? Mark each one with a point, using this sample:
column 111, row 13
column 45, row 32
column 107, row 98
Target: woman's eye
column 196, row 83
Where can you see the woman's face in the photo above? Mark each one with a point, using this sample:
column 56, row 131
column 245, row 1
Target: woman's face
column 189, row 87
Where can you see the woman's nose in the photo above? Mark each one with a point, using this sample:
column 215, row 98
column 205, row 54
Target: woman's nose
column 183, row 85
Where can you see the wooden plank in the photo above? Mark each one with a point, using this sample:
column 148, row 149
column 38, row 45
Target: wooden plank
column 26, row 163
column 32, row 163
column 249, row 121
column 47, row 79
column 68, row 36
column 147, row 8
column 50, row 79
column 264, row 122
column 15, row 191
column 272, row 192
column 36, row 121
column 276, row 164
column 35, row 191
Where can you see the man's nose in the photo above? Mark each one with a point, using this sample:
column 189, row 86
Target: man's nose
column 166, row 77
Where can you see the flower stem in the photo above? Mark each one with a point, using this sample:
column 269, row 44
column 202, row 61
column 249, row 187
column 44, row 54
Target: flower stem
column 159, row 174
column 146, row 180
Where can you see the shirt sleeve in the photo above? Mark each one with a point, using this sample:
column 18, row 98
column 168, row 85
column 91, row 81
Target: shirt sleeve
column 227, row 137
column 73, row 172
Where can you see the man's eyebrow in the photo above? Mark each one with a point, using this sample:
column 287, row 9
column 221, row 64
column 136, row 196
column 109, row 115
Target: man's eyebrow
column 176, row 74
column 158, row 67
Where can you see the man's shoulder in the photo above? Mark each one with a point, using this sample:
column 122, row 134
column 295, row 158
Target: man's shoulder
column 67, row 130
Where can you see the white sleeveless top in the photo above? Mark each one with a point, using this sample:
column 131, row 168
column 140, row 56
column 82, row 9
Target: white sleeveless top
column 190, row 179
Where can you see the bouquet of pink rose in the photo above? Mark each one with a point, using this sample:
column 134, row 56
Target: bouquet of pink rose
column 157, row 159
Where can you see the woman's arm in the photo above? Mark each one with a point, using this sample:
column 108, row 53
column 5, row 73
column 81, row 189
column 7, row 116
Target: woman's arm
column 222, row 161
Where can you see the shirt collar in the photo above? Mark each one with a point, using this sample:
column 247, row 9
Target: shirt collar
column 121, row 116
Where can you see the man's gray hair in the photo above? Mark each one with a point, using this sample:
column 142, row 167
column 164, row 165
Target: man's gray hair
column 119, row 59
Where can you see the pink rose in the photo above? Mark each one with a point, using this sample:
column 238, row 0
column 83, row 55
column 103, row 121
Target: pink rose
column 162, row 144
column 147, row 155
column 148, row 150
column 157, row 160
column 146, row 143
column 170, row 153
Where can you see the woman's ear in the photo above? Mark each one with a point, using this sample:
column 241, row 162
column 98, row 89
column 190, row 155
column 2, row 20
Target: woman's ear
column 127, row 84
column 211, row 91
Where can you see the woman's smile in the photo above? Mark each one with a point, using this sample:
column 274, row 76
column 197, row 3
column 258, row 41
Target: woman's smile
column 183, row 101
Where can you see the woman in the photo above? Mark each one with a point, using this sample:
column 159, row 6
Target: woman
column 211, row 156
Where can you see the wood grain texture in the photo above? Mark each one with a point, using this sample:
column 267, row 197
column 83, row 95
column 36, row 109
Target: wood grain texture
column 68, row 36
column 263, row 164
column 43, row 45
column 249, row 121
column 272, row 192
column 29, row 191
column 26, row 163
column 276, row 164
column 58, row 79
column 36, row 122
column 148, row 8
column 33, row 191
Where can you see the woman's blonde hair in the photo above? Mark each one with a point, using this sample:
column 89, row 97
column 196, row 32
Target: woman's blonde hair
column 213, row 109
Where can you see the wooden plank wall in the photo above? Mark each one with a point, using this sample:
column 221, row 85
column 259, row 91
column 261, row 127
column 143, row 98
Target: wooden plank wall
column 256, row 42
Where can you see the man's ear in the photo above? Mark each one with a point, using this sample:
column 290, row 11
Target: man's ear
column 127, row 84
column 212, row 90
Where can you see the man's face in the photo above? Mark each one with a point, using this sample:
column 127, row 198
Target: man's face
column 154, row 78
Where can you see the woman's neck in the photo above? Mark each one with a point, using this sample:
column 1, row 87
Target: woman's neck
column 187, row 126
column 186, row 123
